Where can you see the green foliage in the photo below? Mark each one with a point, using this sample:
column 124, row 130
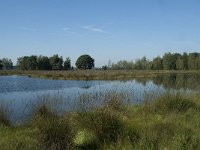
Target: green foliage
column 54, row 132
column 19, row 138
column 157, row 63
column 7, row 64
column 27, row 62
column 56, row 62
column 67, row 64
column 104, row 67
column 40, row 63
column 170, row 61
column 4, row 114
column 121, row 65
column 141, row 64
column 43, row 63
column 171, row 121
column 193, row 61
column 1, row 65
column 180, row 63
column 177, row 103
column 85, row 62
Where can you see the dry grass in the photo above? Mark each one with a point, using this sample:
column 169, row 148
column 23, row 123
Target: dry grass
column 92, row 74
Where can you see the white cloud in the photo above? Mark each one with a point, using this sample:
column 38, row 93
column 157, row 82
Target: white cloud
column 95, row 29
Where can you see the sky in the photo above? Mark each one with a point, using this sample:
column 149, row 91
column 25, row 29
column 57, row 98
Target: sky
column 105, row 29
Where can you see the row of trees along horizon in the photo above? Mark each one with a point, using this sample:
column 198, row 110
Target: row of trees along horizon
column 169, row 61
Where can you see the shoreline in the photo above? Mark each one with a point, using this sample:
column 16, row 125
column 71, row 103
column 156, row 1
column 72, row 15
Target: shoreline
column 95, row 74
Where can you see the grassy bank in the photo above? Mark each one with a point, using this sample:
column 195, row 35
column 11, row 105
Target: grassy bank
column 92, row 74
column 169, row 122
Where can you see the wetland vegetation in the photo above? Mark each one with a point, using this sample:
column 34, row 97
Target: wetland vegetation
column 170, row 121
column 152, row 105
column 110, row 119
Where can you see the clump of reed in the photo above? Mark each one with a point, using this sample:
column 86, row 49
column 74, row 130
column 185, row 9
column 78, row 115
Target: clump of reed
column 4, row 114
column 171, row 121
column 54, row 131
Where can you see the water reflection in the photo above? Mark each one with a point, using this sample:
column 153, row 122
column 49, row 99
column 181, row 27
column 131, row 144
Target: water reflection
column 174, row 81
column 22, row 93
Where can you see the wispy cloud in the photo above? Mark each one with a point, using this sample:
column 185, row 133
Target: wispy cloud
column 68, row 30
column 95, row 29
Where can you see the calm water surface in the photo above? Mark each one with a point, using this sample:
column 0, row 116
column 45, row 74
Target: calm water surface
column 20, row 93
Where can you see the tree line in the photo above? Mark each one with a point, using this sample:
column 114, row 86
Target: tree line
column 54, row 62
column 169, row 61
column 6, row 64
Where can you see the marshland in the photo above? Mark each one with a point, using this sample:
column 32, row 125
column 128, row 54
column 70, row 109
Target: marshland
column 150, row 110
column 99, row 75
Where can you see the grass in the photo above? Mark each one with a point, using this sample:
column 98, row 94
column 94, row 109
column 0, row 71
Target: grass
column 4, row 114
column 93, row 74
column 170, row 122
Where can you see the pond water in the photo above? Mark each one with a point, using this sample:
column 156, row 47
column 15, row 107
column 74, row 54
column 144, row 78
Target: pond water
column 21, row 93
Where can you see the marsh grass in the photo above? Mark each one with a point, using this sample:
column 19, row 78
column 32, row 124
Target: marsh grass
column 54, row 132
column 4, row 113
column 94, row 74
column 171, row 121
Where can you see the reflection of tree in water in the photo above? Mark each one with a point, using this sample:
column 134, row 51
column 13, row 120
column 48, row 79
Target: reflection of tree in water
column 175, row 81
column 142, row 81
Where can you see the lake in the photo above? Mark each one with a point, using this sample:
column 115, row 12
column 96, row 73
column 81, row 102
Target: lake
column 21, row 93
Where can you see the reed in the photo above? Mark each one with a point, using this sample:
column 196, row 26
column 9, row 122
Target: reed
column 93, row 74
column 170, row 121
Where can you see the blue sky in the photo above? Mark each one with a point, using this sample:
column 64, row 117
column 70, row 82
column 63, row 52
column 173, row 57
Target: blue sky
column 104, row 29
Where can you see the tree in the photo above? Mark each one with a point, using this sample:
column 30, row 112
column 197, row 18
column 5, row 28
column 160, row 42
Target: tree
column 157, row 63
column 138, row 64
column 85, row 62
column 185, row 61
column 27, row 62
column 67, row 64
column 32, row 62
column 169, row 61
column 141, row 64
column 56, row 62
column 193, row 61
column 1, row 65
column 43, row 63
column 7, row 63
column 105, row 67
column 144, row 63
column 180, row 64
column 22, row 63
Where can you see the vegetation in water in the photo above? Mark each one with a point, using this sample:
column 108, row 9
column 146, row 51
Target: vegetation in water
column 169, row 122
